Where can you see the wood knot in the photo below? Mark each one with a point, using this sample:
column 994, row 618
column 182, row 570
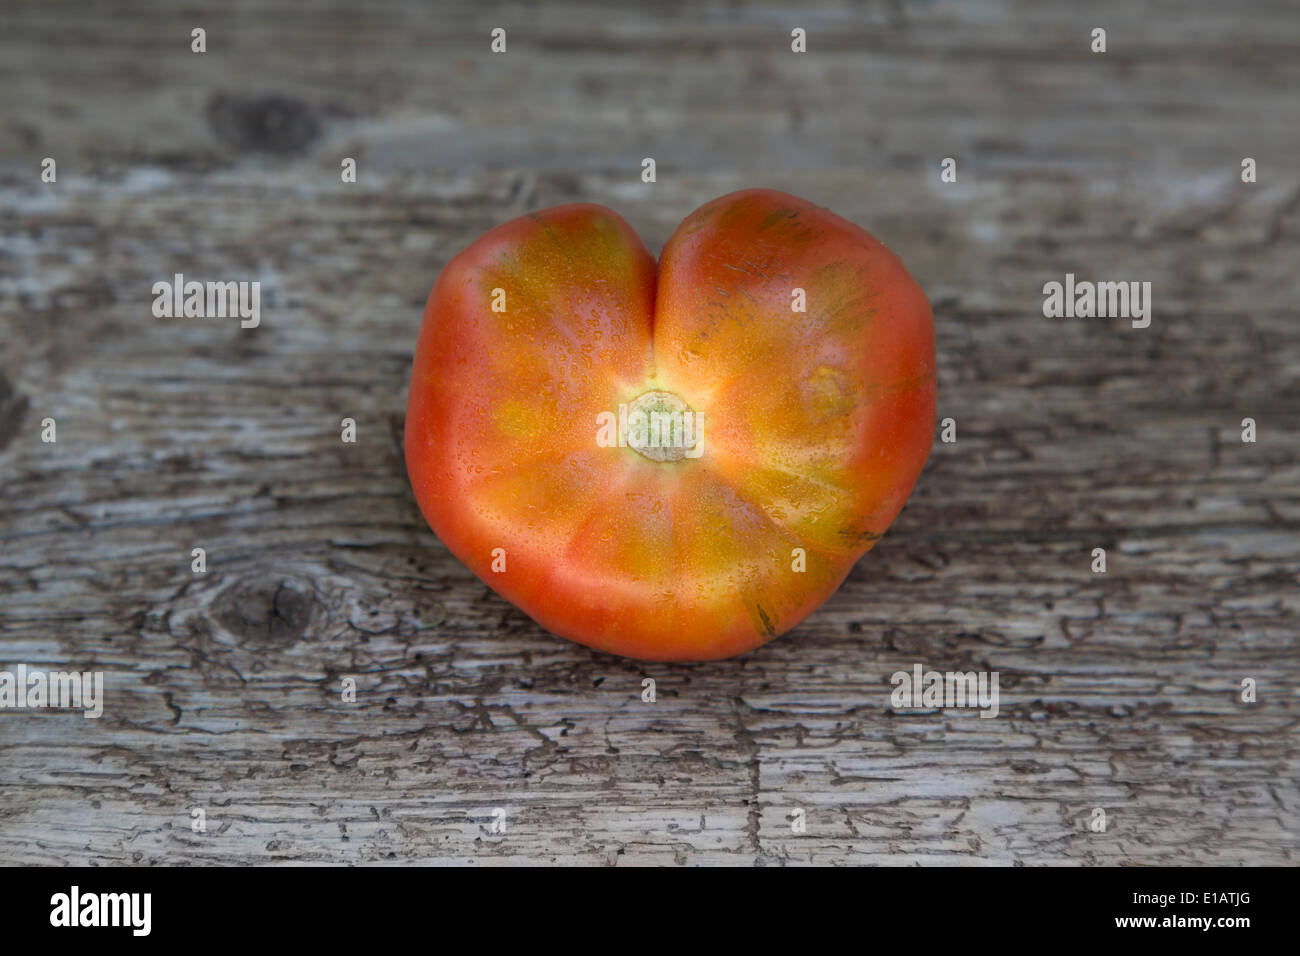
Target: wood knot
column 13, row 407
column 265, row 611
column 267, row 124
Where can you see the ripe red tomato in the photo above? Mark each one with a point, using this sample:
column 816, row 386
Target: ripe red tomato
column 773, row 447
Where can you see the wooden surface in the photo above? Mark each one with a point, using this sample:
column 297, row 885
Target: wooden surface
column 1119, row 691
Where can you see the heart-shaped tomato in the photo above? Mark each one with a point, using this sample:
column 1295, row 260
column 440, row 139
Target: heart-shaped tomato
column 677, row 463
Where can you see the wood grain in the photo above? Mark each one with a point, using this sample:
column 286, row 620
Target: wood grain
column 1119, row 691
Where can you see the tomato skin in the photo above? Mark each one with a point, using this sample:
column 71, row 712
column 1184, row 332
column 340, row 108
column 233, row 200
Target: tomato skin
column 816, row 424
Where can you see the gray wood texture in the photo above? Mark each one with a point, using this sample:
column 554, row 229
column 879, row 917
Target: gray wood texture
column 1119, row 690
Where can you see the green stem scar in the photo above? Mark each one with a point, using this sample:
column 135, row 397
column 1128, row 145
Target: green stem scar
column 662, row 427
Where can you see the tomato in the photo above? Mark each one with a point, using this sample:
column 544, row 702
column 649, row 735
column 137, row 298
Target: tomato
column 543, row 450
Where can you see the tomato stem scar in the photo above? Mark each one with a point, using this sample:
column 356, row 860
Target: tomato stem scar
column 660, row 414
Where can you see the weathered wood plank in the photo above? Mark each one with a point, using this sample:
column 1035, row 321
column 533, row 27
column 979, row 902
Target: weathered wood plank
column 1118, row 690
